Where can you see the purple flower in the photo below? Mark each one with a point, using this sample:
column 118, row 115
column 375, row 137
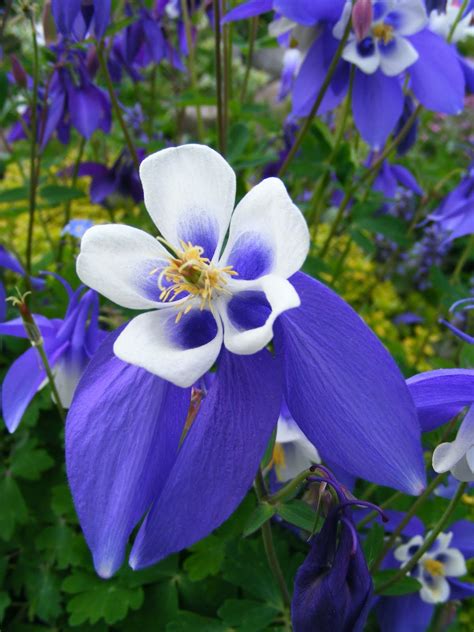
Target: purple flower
column 116, row 182
column 10, row 262
column 207, row 306
column 465, row 304
column 454, row 215
column 333, row 587
column 69, row 344
column 76, row 19
column 437, row 571
column 77, row 227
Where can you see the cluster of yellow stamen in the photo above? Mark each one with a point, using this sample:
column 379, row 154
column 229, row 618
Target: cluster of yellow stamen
column 383, row 32
column 190, row 276
column 434, row 568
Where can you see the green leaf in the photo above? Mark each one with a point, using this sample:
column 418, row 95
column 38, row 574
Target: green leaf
column 14, row 195
column 239, row 136
column 29, row 462
column 159, row 608
column 56, row 194
column 386, row 225
column 13, row 506
column 298, row 513
column 64, row 546
column 206, row 558
column 404, row 586
column 95, row 599
column 44, row 597
column 3, row 88
column 467, row 356
column 247, row 614
column 5, row 601
column 118, row 26
column 190, row 622
column 262, row 513
column 373, row 543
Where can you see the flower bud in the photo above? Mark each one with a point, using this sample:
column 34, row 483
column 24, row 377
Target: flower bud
column 362, row 16
column 18, row 72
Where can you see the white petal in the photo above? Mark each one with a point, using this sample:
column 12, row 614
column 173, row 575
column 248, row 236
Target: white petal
column 340, row 27
column 397, row 56
column 368, row 64
column 287, row 431
column 116, row 261
column 436, row 591
column 402, row 553
column 248, row 317
column 451, row 456
column 67, row 373
column 268, row 233
column 298, row 456
column 280, row 26
column 453, row 562
column 409, row 17
column 190, row 193
column 155, row 342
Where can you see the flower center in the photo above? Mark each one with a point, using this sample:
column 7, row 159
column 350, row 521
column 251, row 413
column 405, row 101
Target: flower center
column 434, row 568
column 383, row 32
column 191, row 276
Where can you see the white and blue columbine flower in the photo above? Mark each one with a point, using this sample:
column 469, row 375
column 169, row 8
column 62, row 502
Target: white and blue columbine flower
column 218, row 285
column 457, row 456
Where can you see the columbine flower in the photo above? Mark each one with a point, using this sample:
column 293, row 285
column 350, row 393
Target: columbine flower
column 211, row 304
column 458, row 455
column 293, row 452
column 438, row 563
column 384, row 43
column 77, row 18
column 437, row 571
column 69, row 344
column 442, row 22
column 10, row 262
column 454, row 215
column 465, row 304
column 333, row 587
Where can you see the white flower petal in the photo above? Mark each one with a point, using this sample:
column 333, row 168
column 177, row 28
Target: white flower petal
column 436, row 591
column 408, row 17
column 178, row 352
column 340, row 27
column 298, row 456
column 287, row 430
column 397, row 56
column 452, row 456
column 189, row 193
column 453, row 563
column 248, row 316
column 367, row 63
column 404, row 552
column 116, row 261
column 268, row 234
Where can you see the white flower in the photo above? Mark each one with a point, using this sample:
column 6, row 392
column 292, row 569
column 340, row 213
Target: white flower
column 434, row 566
column 202, row 294
column 458, row 456
column 385, row 46
column 441, row 22
column 293, row 452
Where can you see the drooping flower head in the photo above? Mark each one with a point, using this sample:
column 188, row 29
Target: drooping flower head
column 454, row 215
column 69, row 344
column 76, row 19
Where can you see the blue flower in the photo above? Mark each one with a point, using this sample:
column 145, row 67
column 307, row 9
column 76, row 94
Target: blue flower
column 437, row 571
column 76, row 19
column 454, row 215
column 69, row 344
column 10, row 262
column 341, row 386
column 77, row 227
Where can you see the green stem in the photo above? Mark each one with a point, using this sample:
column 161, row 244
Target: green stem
column 218, row 61
column 438, row 528
column 462, row 8
column 408, row 516
column 319, row 99
column 267, row 537
column 463, row 259
column 116, row 105
column 52, row 383
column 68, row 205
column 251, row 45
column 33, row 150
column 192, row 64
column 289, row 489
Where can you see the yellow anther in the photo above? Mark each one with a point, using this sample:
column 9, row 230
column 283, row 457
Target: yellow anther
column 383, row 32
column 434, row 568
column 189, row 276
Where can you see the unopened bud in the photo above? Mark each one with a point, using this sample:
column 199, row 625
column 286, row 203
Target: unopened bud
column 18, row 72
column 362, row 16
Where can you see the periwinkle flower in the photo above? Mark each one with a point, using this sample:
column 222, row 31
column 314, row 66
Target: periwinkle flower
column 76, row 19
column 333, row 587
column 454, row 215
column 438, row 572
column 69, row 344
column 213, row 304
